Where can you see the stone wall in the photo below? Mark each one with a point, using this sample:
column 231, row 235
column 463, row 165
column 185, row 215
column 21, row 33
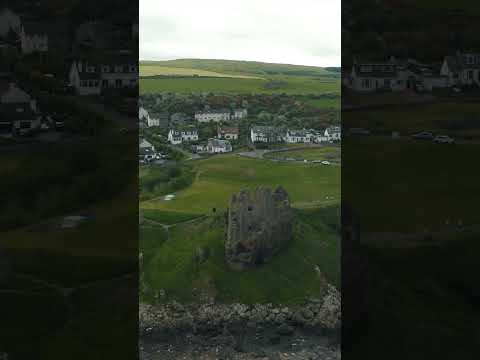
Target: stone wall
column 259, row 225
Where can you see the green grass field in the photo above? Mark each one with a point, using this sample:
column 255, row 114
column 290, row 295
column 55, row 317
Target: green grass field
column 169, row 264
column 217, row 178
column 332, row 153
column 289, row 85
column 410, row 185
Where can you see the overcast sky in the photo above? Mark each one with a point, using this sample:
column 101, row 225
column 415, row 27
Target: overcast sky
column 304, row 32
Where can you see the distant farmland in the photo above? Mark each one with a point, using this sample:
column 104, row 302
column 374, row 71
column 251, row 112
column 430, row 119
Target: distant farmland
column 155, row 70
column 289, row 85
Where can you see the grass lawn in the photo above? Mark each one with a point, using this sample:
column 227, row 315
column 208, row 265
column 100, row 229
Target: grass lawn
column 287, row 279
column 332, row 153
column 217, row 178
column 410, row 185
column 167, row 217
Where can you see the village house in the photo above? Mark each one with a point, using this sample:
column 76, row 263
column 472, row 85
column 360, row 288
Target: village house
column 266, row 134
column 179, row 118
column 157, row 119
column 145, row 144
column 199, row 148
column 376, row 76
column 212, row 115
column 91, row 77
column 462, row 69
column 18, row 111
column 305, row 136
column 216, row 146
column 9, row 21
column 176, row 137
column 239, row 114
column 227, row 132
column 296, row 136
column 33, row 38
column 333, row 133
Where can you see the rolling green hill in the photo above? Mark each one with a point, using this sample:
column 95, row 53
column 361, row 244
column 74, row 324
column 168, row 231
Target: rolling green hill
column 234, row 67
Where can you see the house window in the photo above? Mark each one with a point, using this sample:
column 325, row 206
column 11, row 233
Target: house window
column 118, row 83
column 132, row 68
column 105, row 83
column 105, row 68
column 366, row 68
column 387, row 82
column 366, row 83
column 470, row 74
column 118, row 68
column 90, row 69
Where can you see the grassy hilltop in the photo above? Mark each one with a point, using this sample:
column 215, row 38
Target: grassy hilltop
column 201, row 75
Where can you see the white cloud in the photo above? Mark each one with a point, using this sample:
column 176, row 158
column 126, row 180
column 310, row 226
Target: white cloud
column 305, row 32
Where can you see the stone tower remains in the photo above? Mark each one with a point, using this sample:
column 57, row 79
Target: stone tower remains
column 259, row 224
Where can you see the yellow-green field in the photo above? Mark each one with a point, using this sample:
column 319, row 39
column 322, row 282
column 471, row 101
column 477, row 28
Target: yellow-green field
column 154, row 70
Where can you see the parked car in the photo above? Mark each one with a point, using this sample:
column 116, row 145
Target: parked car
column 359, row 131
column 424, row 135
column 325, row 162
column 443, row 139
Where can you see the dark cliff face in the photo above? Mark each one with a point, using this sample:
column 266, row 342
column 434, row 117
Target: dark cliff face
column 259, row 224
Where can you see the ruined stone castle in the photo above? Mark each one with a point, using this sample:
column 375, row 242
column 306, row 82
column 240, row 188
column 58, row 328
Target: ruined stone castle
column 259, row 224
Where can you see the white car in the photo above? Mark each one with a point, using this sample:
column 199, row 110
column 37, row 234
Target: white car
column 443, row 139
column 325, row 162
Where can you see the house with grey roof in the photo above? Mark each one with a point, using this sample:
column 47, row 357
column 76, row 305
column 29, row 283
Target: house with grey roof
column 18, row 111
column 463, row 68
column 92, row 76
column 176, row 137
column 369, row 76
column 213, row 115
column 333, row 133
column 266, row 134
column 216, row 146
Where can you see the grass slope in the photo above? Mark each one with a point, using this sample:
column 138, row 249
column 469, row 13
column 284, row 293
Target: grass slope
column 242, row 67
column 288, row 278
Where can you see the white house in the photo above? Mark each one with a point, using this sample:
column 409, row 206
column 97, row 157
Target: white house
column 375, row 76
column 91, row 77
column 333, row 133
column 212, row 115
column 462, row 69
column 33, row 38
column 9, row 20
column 145, row 144
column 227, row 132
column 18, row 111
column 142, row 113
column 176, row 137
column 216, row 146
column 296, row 136
column 266, row 134
column 239, row 114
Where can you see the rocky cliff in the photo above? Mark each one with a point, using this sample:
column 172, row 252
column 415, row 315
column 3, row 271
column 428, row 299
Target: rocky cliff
column 259, row 224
